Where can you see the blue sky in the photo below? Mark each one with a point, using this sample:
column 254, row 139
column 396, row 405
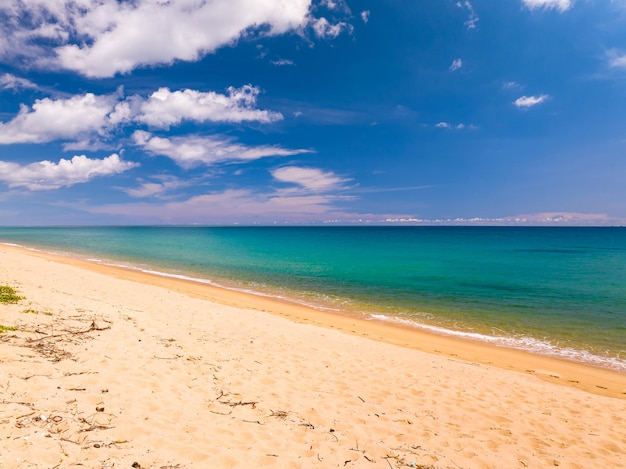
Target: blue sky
column 312, row 111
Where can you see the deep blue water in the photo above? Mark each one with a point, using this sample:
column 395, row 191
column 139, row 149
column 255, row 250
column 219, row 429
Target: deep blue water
column 558, row 291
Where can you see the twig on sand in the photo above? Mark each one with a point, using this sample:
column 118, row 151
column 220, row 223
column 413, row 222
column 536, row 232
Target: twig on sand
column 235, row 404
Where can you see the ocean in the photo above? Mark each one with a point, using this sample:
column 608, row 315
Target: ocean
column 553, row 291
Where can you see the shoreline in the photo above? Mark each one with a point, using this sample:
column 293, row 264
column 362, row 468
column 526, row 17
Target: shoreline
column 592, row 379
column 108, row 367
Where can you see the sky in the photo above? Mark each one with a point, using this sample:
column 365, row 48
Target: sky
column 149, row 112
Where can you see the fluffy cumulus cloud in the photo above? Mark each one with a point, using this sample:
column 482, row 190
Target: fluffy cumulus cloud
column 525, row 102
column 191, row 151
column 46, row 175
column 561, row 5
column 60, row 119
column 311, row 179
column 88, row 119
column 100, row 39
column 165, row 108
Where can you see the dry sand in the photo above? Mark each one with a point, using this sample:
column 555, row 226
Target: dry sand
column 113, row 368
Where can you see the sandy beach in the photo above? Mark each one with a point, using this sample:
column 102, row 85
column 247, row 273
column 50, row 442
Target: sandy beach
column 109, row 367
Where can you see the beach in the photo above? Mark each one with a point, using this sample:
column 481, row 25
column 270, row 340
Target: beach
column 110, row 367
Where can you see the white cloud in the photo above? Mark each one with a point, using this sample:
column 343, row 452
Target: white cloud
column 165, row 108
column 311, row 179
column 456, row 64
column 282, row 62
column 526, row 102
column 231, row 206
column 561, row 5
column 561, row 218
column 330, row 4
column 191, row 151
column 88, row 119
column 46, row 175
column 616, row 60
column 9, row 81
column 365, row 16
column 324, row 29
column 61, row 119
column 461, row 126
column 510, row 85
column 158, row 188
column 472, row 18
column 100, row 39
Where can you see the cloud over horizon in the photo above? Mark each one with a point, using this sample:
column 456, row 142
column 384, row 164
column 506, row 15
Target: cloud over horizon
column 46, row 175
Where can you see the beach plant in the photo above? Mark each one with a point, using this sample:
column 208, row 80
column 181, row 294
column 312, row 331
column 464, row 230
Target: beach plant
column 8, row 295
column 34, row 311
column 4, row 329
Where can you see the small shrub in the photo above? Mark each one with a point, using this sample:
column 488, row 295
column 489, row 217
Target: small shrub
column 34, row 311
column 9, row 295
column 4, row 329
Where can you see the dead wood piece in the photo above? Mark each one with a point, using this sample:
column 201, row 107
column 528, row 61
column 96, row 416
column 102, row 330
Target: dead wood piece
column 91, row 426
column 281, row 414
column 235, row 404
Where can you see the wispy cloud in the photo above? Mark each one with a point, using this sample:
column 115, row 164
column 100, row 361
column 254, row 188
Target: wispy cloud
column 525, row 102
column 456, row 64
column 311, row 179
column 534, row 219
column 561, row 5
column 230, row 206
column 157, row 187
column 282, row 62
column 616, row 59
column 511, row 85
column 472, row 16
column 9, row 81
column 192, row 150
column 461, row 126
column 365, row 16
column 46, row 175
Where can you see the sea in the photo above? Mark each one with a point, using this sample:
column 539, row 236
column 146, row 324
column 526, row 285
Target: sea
column 553, row 291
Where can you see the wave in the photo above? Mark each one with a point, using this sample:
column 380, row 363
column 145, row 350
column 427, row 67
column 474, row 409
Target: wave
column 526, row 343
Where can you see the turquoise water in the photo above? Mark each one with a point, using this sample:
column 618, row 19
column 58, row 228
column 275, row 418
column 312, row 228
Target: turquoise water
column 556, row 291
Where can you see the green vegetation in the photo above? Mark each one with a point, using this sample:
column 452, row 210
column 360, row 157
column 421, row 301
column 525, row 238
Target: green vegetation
column 4, row 329
column 9, row 295
column 34, row 311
